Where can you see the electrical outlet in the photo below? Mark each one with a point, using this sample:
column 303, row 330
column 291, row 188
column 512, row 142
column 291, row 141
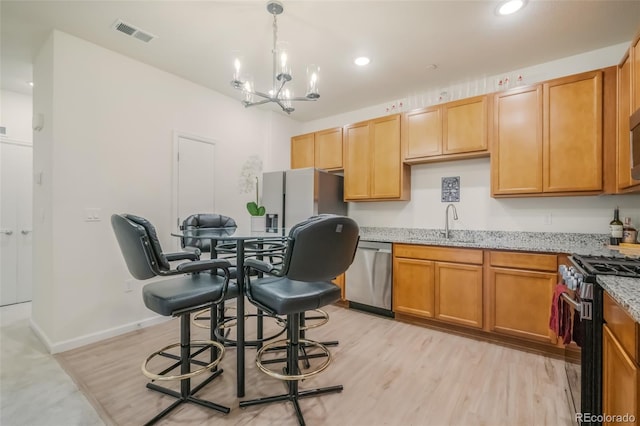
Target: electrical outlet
column 128, row 286
column 548, row 219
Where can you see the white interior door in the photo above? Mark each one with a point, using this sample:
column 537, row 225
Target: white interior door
column 15, row 222
column 194, row 177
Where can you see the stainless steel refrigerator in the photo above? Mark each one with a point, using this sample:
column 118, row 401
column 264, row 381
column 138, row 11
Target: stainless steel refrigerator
column 292, row 196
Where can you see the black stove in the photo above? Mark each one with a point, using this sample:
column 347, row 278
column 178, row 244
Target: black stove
column 606, row 265
column 585, row 380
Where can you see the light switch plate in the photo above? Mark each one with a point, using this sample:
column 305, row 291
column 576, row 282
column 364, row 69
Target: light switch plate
column 92, row 214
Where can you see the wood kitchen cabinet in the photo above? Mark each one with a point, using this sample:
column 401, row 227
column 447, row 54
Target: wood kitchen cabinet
column 373, row 168
column 619, row 361
column 622, row 154
column 340, row 282
column 450, row 131
column 322, row 150
column 520, row 290
column 413, row 286
column 439, row 282
column 302, row 151
column 548, row 138
column 635, row 73
column 516, row 158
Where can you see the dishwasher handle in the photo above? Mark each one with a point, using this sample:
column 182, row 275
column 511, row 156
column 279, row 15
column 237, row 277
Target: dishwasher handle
column 375, row 249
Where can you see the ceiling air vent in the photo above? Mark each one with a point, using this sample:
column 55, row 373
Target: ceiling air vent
column 132, row 31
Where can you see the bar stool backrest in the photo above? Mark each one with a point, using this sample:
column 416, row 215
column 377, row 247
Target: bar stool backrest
column 204, row 220
column 321, row 248
column 135, row 247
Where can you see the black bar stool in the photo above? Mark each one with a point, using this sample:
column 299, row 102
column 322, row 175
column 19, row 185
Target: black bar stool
column 319, row 249
column 187, row 292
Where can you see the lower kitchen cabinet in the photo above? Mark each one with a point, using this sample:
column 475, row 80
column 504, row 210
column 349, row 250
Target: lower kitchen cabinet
column 340, row 282
column 438, row 282
column 413, row 287
column 521, row 287
column 620, row 378
column 458, row 293
column 619, row 362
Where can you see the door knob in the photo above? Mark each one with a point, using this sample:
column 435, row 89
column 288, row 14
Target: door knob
column 25, row 231
column 7, row 231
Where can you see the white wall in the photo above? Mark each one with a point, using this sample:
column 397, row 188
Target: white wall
column 476, row 209
column 15, row 115
column 107, row 143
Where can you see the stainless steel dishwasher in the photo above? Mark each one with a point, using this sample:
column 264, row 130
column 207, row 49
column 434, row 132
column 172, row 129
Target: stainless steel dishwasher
column 368, row 280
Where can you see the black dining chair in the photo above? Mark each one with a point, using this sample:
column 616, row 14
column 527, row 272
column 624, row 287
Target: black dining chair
column 227, row 250
column 193, row 285
column 204, row 220
column 318, row 250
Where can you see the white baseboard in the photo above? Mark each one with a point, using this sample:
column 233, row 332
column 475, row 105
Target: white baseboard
column 77, row 342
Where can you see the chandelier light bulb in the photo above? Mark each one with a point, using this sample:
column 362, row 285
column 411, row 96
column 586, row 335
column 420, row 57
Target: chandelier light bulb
column 247, row 90
column 313, row 72
column 237, row 80
column 284, row 70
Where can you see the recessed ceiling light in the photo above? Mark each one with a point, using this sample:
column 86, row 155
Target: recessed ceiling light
column 30, row 83
column 510, row 6
column 362, row 61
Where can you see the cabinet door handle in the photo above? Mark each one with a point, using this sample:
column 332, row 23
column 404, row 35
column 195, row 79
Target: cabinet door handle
column 25, row 231
column 7, row 231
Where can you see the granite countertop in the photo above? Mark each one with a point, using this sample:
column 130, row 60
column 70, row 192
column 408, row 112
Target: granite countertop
column 548, row 242
column 624, row 290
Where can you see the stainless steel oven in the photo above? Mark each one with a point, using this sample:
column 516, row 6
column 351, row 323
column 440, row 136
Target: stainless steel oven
column 584, row 297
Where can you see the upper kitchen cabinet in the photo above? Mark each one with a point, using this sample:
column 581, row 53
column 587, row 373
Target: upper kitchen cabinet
column 548, row 139
column 635, row 73
column 373, row 168
column 621, row 162
column 328, row 149
column 516, row 160
column 449, row 131
column 322, row 150
column 302, row 151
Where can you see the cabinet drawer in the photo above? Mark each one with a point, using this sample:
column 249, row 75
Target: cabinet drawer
column 445, row 254
column 529, row 261
column 623, row 327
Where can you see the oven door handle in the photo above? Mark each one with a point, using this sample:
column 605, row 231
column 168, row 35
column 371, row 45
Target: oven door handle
column 583, row 307
column 575, row 305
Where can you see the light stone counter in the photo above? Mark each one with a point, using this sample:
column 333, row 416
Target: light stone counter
column 546, row 242
column 625, row 291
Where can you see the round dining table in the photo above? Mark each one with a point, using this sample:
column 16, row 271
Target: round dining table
column 244, row 242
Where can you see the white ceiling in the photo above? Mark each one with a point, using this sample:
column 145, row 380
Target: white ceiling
column 196, row 40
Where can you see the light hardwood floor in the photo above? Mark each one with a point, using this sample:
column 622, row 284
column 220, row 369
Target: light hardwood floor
column 393, row 374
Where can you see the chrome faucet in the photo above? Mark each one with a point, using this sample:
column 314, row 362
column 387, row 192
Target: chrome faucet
column 446, row 219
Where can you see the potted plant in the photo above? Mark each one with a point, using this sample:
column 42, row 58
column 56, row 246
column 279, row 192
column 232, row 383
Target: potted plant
column 249, row 182
column 253, row 207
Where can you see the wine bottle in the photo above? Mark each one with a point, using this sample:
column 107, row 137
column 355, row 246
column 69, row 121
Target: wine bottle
column 615, row 226
column 629, row 233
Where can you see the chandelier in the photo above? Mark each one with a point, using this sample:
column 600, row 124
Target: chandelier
column 281, row 74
